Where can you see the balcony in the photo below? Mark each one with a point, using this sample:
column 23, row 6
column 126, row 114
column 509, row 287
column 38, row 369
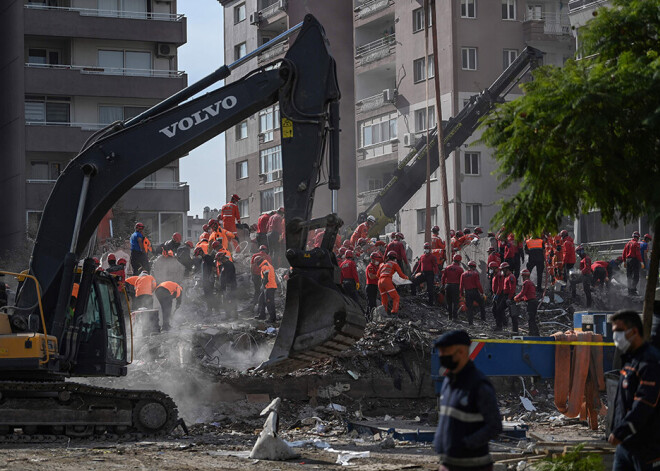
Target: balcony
column 160, row 196
column 372, row 103
column 273, row 9
column 576, row 5
column 369, row 8
column 375, row 50
column 59, row 137
column 546, row 28
column 41, row 20
column 112, row 82
column 275, row 52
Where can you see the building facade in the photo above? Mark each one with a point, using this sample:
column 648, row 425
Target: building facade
column 71, row 67
column 477, row 39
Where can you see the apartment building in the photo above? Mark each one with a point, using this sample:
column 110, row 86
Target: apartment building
column 253, row 152
column 69, row 68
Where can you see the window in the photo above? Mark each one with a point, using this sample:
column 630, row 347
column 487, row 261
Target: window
column 241, row 130
column 239, row 13
column 473, row 214
column 374, row 184
column 472, row 163
column 244, row 208
column 137, row 8
column 418, row 20
column 421, row 219
column 240, row 50
column 270, row 163
column 469, row 58
column 40, row 109
column 271, row 199
column 269, row 119
column 241, row 170
column 508, row 56
column 421, row 119
column 378, row 130
column 534, row 12
column 420, row 71
column 125, row 62
column 41, row 170
column 43, row 56
column 111, row 113
column 508, row 9
column 468, row 9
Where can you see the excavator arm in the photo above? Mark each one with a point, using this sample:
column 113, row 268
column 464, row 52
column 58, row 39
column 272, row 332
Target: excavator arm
column 410, row 174
column 305, row 85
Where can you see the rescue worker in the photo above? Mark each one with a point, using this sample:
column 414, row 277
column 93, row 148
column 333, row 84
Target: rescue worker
column 184, row 258
column 512, row 254
column 362, row 231
column 166, row 293
column 145, row 284
column 643, row 248
column 599, row 273
column 386, row 287
column 587, row 271
column 468, row 416
column 509, row 291
column 426, row 270
column 493, row 256
column 398, row 248
column 230, row 216
column 438, row 248
column 372, row 282
column 528, row 294
column 568, row 247
column 226, row 271
column 208, row 273
column 268, row 287
column 499, row 300
column 262, row 228
column 632, row 257
column 171, row 245
column 275, row 237
column 471, row 289
column 493, row 268
column 139, row 258
column 535, row 250
column 117, row 270
column 349, row 279
column 451, row 282
column 636, row 416
column 256, row 272
column 222, row 235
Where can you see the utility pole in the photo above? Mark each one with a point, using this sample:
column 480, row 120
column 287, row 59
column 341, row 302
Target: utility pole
column 427, row 227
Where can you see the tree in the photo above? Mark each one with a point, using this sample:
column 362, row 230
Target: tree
column 587, row 135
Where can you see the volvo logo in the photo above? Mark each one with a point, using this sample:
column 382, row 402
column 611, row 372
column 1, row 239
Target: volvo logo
column 198, row 117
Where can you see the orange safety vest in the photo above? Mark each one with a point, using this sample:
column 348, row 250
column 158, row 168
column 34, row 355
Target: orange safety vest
column 172, row 287
column 131, row 280
column 145, row 284
column 204, row 245
column 230, row 214
column 534, row 243
column 268, row 271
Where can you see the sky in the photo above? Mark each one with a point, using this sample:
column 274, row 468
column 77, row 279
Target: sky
column 204, row 168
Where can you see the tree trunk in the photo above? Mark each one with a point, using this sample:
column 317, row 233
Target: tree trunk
column 651, row 282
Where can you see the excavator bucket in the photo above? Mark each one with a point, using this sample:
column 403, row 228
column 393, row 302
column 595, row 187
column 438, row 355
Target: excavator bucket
column 319, row 322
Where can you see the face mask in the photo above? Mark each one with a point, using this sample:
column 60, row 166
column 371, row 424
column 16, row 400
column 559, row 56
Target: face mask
column 427, row 251
column 620, row 340
column 448, row 362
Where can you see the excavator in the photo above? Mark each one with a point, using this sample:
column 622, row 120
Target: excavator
column 410, row 174
column 53, row 333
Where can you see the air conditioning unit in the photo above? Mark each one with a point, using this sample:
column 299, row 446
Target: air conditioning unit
column 409, row 140
column 282, row 5
column 165, row 50
column 389, row 95
column 277, row 175
column 255, row 18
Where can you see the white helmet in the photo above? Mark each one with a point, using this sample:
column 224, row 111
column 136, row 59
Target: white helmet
column 370, row 218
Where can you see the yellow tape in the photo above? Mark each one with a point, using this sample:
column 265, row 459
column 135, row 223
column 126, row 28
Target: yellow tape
column 544, row 342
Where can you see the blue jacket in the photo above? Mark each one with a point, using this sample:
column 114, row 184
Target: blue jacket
column 468, row 418
column 636, row 417
column 136, row 245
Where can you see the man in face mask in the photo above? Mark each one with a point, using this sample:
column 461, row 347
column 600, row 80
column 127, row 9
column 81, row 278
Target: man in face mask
column 468, row 417
column 636, row 417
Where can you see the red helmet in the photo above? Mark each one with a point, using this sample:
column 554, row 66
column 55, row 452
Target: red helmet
column 348, row 254
column 619, row 259
column 198, row 251
column 427, row 246
column 400, row 235
column 205, row 227
column 466, row 230
column 112, row 257
column 636, row 235
column 342, row 251
column 259, row 260
column 139, row 225
column 235, row 197
column 504, row 265
column 347, row 243
column 452, row 233
column 391, row 255
column 459, row 234
column 97, row 262
column 376, row 256
column 472, row 264
column 263, row 248
column 435, row 229
column 204, row 236
column 362, row 241
column 379, row 243
column 212, row 222
column 215, row 244
column 648, row 236
column 490, row 249
column 478, row 230
column 457, row 257
column 121, row 261
column 190, row 244
column 524, row 272
column 176, row 237
column 280, row 209
column 493, row 265
column 564, row 233
column 392, row 235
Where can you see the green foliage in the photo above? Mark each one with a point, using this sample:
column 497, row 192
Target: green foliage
column 586, row 136
column 574, row 460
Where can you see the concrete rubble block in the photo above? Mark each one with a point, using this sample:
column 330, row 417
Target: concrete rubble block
column 269, row 445
column 257, row 398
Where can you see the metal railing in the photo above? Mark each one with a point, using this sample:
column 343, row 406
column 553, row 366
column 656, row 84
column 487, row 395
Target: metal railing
column 82, row 126
column 143, row 185
column 138, row 15
column 575, row 5
column 272, row 10
column 273, row 52
column 94, row 70
column 551, row 24
column 378, row 44
column 370, row 103
column 371, row 7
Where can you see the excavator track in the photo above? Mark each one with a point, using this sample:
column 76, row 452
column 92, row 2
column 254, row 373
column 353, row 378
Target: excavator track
column 52, row 411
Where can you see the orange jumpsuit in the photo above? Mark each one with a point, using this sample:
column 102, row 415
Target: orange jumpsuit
column 362, row 231
column 230, row 216
column 386, row 287
column 223, row 236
